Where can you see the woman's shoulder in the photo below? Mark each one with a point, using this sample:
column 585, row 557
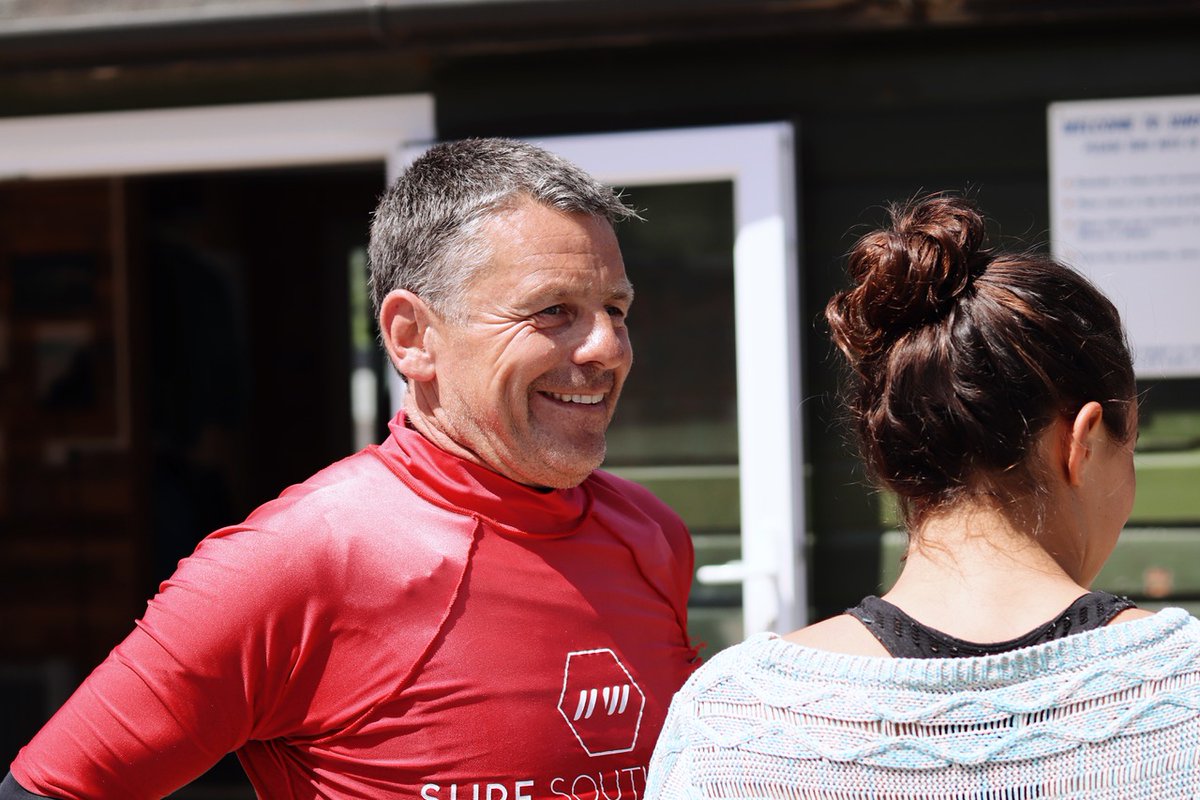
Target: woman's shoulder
column 803, row 658
column 846, row 635
column 841, row 646
column 1131, row 614
column 762, row 662
column 840, row 634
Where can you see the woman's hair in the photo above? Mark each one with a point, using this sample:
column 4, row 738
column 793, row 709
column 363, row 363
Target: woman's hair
column 960, row 355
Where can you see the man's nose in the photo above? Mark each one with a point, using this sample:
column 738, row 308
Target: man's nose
column 605, row 342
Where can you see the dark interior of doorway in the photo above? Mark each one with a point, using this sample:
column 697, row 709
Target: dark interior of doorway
column 248, row 347
column 174, row 351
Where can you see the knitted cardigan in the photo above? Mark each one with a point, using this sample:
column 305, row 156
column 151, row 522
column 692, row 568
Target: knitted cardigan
column 1110, row 714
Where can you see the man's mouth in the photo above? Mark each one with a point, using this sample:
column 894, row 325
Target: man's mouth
column 582, row 399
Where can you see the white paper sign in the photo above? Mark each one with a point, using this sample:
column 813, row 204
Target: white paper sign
column 1125, row 210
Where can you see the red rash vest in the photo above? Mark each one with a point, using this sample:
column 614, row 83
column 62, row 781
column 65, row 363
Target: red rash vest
column 404, row 624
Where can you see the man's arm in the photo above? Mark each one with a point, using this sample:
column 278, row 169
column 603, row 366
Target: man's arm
column 11, row 790
column 179, row 692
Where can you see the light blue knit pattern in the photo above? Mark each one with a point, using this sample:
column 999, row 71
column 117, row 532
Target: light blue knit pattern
column 1110, row 713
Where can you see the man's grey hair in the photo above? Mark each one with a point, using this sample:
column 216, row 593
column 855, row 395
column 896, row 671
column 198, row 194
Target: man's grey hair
column 424, row 236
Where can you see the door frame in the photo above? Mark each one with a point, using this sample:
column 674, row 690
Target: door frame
column 759, row 161
column 201, row 138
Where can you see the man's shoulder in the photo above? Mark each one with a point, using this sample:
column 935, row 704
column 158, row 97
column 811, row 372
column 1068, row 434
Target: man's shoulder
column 360, row 472
column 360, row 488
column 634, row 491
column 353, row 526
column 356, row 505
column 631, row 509
column 611, row 488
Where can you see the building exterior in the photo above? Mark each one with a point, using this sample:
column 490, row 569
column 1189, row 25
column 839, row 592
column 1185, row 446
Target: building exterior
column 185, row 188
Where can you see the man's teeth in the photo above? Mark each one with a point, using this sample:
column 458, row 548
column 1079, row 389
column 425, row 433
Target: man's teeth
column 586, row 399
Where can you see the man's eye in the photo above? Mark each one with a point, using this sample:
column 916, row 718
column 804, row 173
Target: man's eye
column 552, row 311
column 617, row 311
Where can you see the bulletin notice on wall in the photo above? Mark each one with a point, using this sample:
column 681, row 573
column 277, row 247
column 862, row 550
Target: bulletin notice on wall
column 1125, row 210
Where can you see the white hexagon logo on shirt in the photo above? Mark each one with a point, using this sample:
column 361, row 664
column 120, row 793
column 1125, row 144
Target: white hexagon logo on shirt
column 601, row 702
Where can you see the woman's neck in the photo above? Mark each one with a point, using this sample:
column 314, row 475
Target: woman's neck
column 972, row 574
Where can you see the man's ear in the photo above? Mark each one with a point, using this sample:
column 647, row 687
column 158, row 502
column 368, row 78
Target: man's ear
column 404, row 322
column 1086, row 431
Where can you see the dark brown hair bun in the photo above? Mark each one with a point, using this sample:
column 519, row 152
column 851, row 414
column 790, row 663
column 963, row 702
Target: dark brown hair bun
column 909, row 274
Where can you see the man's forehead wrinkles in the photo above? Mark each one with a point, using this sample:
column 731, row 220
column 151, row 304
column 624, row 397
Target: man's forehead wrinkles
column 595, row 272
column 566, row 257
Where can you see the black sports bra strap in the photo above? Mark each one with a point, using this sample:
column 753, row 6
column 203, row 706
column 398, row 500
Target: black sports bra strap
column 904, row 637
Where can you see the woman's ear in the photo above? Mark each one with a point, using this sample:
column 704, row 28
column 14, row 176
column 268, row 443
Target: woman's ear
column 1086, row 431
column 404, row 322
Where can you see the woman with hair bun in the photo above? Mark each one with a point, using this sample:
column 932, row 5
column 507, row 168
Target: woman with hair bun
column 993, row 393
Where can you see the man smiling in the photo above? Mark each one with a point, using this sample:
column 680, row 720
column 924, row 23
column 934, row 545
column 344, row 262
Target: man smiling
column 524, row 377
column 469, row 611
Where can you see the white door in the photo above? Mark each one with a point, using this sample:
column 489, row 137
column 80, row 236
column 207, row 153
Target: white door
column 678, row 453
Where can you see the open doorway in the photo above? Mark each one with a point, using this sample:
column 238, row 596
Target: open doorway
column 174, row 351
column 248, row 280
